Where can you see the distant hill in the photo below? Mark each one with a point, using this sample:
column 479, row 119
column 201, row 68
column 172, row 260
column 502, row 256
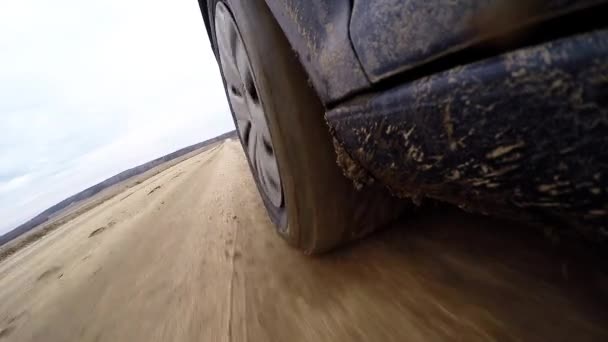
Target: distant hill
column 87, row 193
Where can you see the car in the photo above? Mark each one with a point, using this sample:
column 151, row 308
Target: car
column 345, row 107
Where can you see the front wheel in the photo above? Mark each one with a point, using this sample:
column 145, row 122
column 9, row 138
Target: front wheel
column 280, row 123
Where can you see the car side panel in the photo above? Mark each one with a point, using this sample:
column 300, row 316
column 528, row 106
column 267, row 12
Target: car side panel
column 517, row 135
column 205, row 10
column 392, row 36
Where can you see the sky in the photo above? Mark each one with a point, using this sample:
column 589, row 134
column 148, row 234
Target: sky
column 91, row 88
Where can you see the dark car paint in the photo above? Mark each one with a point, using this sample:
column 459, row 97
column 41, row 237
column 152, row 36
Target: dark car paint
column 392, row 36
column 524, row 135
column 347, row 45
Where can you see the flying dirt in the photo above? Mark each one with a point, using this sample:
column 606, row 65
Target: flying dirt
column 190, row 255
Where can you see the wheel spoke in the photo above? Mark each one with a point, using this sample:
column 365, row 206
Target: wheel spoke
column 252, row 143
column 241, row 61
column 244, row 129
column 239, row 104
column 257, row 116
column 269, row 170
column 226, row 38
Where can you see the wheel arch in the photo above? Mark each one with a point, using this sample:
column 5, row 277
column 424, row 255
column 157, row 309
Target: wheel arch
column 205, row 6
column 318, row 32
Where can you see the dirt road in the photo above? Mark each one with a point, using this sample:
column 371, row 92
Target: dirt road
column 189, row 255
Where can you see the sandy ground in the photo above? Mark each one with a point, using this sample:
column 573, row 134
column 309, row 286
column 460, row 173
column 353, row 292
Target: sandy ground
column 189, row 255
column 81, row 207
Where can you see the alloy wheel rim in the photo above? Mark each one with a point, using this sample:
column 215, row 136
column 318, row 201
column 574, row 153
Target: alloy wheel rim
column 246, row 105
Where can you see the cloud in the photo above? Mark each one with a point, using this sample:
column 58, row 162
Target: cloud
column 93, row 88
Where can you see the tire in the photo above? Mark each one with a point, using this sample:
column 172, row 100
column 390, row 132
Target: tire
column 319, row 207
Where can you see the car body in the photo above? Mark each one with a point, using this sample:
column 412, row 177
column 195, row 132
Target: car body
column 499, row 107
